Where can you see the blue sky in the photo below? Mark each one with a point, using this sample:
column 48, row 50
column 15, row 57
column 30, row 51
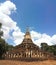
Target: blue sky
column 39, row 15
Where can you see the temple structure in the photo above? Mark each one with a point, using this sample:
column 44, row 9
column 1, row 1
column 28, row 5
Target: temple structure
column 27, row 49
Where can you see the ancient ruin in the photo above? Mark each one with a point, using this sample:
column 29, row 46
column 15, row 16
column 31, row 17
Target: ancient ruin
column 27, row 49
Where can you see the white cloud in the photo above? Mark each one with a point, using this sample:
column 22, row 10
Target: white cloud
column 35, row 35
column 7, row 7
column 39, row 38
column 9, row 25
column 53, row 39
column 18, row 36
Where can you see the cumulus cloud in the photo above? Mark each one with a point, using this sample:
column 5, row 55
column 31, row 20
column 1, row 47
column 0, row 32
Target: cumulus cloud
column 8, row 24
column 39, row 38
column 7, row 7
column 53, row 39
column 13, row 32
column 18, row 36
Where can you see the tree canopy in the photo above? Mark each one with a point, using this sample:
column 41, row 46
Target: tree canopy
column 4, row 46
column 51, row 49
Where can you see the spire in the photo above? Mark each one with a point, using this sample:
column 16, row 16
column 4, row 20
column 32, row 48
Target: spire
column 27, row 37
column 27, row 34
column 27, row 29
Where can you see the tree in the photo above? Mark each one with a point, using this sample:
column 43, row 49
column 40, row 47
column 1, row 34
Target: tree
column 8, row 47
column 44, row 46
column 0, row 25
column 52, row 49
column 47, row 48
column 2, row 43
column 2, row 47
column 1, row 32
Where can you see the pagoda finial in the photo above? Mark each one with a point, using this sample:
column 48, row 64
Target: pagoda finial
column 27, row 29
column 27, row 34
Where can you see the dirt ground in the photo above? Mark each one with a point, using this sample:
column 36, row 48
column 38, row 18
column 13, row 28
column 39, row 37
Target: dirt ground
column 11, row 62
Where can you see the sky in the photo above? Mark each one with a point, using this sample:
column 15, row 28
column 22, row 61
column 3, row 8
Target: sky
column 38, row 15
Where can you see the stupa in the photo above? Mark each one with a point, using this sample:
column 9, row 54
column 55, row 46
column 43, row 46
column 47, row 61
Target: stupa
column 27, row 49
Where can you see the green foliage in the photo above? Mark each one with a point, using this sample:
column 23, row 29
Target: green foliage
column 1, row 32
column 0, row 25
column 44, row 46
column 8, row 47
column 47, row 48
column 3, row 45
column 52, row 49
